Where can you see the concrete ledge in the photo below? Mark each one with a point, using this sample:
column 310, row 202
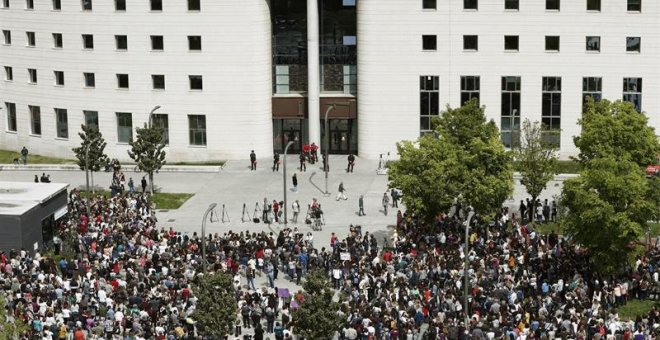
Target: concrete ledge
column 126, row 168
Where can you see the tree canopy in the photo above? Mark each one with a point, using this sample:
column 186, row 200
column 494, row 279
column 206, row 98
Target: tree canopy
column 215, row 312
column 317, row 317
column 91, row 137
column 147, row 151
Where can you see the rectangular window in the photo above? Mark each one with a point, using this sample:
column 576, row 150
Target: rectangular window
column 122, row 80
column 32, row 75
column 11, row 116
column 91, row 119
column 350, row 79
column 5, row 3
column 512, row 4
column 552, row 5
column 31, row 39
column 59, row 78
column 158, row 81
column 197, row 129
column 156, row 42
column 470, row 4
column 592, row 87
column 124, row 127
column 196, row 82
column 9, row 73
column 194, row 5
column 7, row 35
column 282, row 79
column 29, row 4
column 194, row 42
column 121, row 42
column 469, row 88
column 593, row 44
column 156, row 5
column 57, row 5
column 87, row 5
column 429, row 42
column 511, row 43
column 510, row 119
column 551, row 110
column 429, row 4
column 593, row 5
column 429, row 100
column 470, row 43
column 57, row 40
column 62, row 123
column 120, row 5
column 90, row 79
column 634, row 5
column 35, row 120
column 632, row 92
column 161, row 120
column 88, row 41
column 633, row 44
column 552, row 43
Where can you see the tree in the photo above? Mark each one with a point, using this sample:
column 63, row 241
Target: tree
column 317, row 317
column 536, row 160
column 616, row 129
column 10, row 327
column 147, row 151
column 215, row 312
column 90, row 153
column 466, row 159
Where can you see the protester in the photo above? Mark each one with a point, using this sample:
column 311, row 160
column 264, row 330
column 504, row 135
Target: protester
column 253, row 161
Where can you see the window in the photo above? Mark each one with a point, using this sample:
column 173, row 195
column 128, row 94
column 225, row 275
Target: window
column 160, row 120
column 32, row 75
column 87, row 5
column 35, row 120
column 91, row 119
column 429, row 42
column 348, row 3
column 593, row 44
column 195, row 82
column 9, row 73
column 470, row 4
column 120, row 5
column 57, row 5
column 350, row 79
column 634, row 5
column 632, row 92
column 633, row 44
column 552, row 5
column 512, row 4
column 124, row 127
column 593, row 5
column 121, row 42
column 195, row 42
column 29, row 4
column 7, row 35
column 11, row 116
column 158, row 81
column 156, row 5
column 122, row 80
column 469, row 88
column 156, row 42
column 59, row 78
column 511, row 43
column 197, row 129
column 194, row 5
column 282, row 79
column 429, row 100
column 31, row 39
column 62, row 124
column 551, row 110
column 429, row 4
column 470, row 43
column 5, row 3
column 57, row 40
column 90, row 79
column 592, row 87
column 510, row 119
column 551, row 43
column 88, row 41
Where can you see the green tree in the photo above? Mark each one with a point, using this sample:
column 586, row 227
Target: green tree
column 615, row 129
column 91, row 152
column 536, row 159
column 465, row 157
column 11, row 328
column 147, row 151
column 215, row 312
column 317, row 317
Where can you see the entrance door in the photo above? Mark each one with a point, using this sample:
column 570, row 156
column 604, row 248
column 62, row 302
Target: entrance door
column 285, row 130
column 342, row 136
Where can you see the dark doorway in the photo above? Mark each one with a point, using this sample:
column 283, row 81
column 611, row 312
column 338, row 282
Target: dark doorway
column 285, row 130
column 47, row 229
column 343, row 136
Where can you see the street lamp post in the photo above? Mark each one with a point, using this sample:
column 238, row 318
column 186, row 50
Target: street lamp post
column 465, row 272
column 151, row 114
column 326, row 147
column 206, row 214
column 286, row 148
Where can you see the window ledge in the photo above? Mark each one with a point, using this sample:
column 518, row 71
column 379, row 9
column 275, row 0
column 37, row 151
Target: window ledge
column 5, row 44
column 57, row 48
column 30, row 83
column 634, row 12
column 194, row 11
column 121, row 50
column 30, row 46
column 157, row 51
column 34, row 135
column 511, row 51
column 11, row 132
column 470, row 51
column 633, row 52
column 551, row 51
column 62, row 138
column 593, row 11
column 122, row 89
column 592, row 52
column 9, row 81
column 431, row 10
column 57, row 85
column 429, row 51
column 552, row 10
column 194, row 51
column 197, row 146
column 470, row 9
column 158, row 90
column 512, row 10
column 191, row 90
column 56, row 10
column 89, row 87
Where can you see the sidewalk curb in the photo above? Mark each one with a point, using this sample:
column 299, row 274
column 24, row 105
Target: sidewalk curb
column 74, row 167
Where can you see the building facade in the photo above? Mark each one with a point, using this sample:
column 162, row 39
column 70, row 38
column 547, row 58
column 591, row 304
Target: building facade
column 227, row 76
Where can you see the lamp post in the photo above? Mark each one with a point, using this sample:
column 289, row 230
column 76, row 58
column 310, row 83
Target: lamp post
column 87, row 161
column 151, row 114
column 465, row 272
column 326, row 147
column 206, row 214
column 286, row 148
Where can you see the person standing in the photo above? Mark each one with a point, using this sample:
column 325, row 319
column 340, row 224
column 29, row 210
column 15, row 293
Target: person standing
column 314, row 149
column 546, row 211
column 341, row 193
column 276, row 161
column 24, row 155
column 253, row 161
column 131, row 185
column 144, row 184
column 326, row 166
column 386, row 203
column 296, row 210
column 302, row 161
column 270, row 273
column 351, row 163
column 395, row 198
column 361, row 206
column 36, row 178
column 264, row 215
column 294, row 179
column 522, row 209
column 553, row 213
column 276, row 210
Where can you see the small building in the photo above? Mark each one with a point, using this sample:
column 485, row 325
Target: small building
column 28, row 212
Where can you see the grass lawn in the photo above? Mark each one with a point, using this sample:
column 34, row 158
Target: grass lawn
column 635, row 308
column 7, row 157
column 163, row 200
column 547, row 228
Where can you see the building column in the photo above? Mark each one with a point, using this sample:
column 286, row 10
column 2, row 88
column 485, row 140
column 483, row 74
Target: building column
column 313, row 84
